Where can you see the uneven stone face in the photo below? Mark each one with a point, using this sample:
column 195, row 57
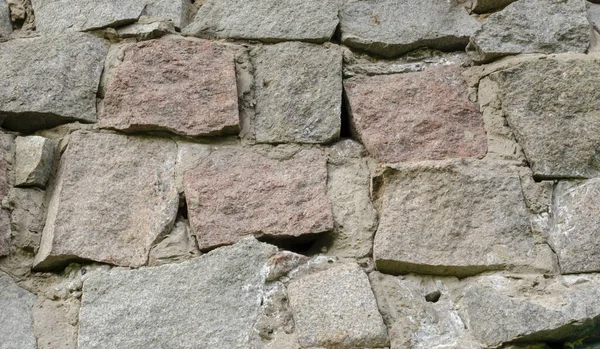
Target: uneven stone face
column 186, row 87
column 336, row 308
column 594, row 15
column 16, row 322
column 152, row 307
column 455, row 218
column 483, row 6
column 420, row 312
column 416, row 116
column 391, row 27
column 235, row 193
column 6, row 160
column 178, row 246
column 147, row 28
column 28, row 104
column 55, row 16
column 4, row 233
column 266, row 20
column 498, row 309
column 34, row 157
column 552, row 107
column 348, row 188
column 532, row 26
column 114, row 196
column 298, row 91
column 27, row 217
column 575, row 232
column 5, row 24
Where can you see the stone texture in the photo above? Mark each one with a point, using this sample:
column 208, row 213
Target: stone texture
column 55, row 323
column 28, row 104
column 594, row 15
column 4, row 233
column 178, row 246
column 52, row 16
column 232, row 194
column 6, row 161
column 5, row 23
column 456, row 217
column 186, row 87
column 574, row 232
column 391, row 27
column 483, row 6
column 421, row 312
column 33, row 161
column 152, row 307
column 266, row 20
column 552, row 108
column 336, row 308
column 532, row 309
column 147, row 28
column 348, row 188
column 532, row 26
column 298, row 91
column 16, row 322
column 114, row 196
column 416, row 116
column 27, row 217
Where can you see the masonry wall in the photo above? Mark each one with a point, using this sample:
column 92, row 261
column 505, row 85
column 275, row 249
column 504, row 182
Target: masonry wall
column 283, row 174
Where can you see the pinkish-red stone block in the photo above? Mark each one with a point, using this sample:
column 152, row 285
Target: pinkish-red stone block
column 185, row 87
column 416, row 116
column 236, row 193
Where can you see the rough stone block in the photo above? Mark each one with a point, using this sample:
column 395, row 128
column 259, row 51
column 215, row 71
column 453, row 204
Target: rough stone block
column 6, row 160
column 152, row 307
column 416, row 116
column 55, row 16
column 552, row 108
column 5, row 23
column 33, row 157
column 114, row 196
column 499, row 310
column 27, row 217
column 532, row 26
column 456, row 217
column 575, row 230
column 49, row 80
column 594, row 15
column 267, row 20
column 235, row 193
column 393, row 27
column 298, row 91
column 4, row 233
column 336, row 308
column 186, row 87
column 16, row 322
column 483, row 6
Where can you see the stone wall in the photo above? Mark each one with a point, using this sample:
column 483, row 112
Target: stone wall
column 286, row 174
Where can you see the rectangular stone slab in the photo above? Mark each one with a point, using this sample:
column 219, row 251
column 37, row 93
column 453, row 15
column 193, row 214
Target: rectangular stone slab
column 416, row 116
column 552, row 107
column 212, row 301
column 114, row 196
column 266, row 20
column 235, row 193
column 455, row 217
column 183, row 86
column 50, row 80
column 16, row 322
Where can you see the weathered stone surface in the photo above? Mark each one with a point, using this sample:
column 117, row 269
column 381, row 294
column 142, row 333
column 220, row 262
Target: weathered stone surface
column 27, row 217
column 52, row 16
column 552, row 108
column 298, row 90
column 532, row 309
column 27, row 103
column 416, row 116
column 348, row 188
column 575, row 225
column 34, row 157
column 6, row 160
column 456, row 218
column 484, row 6
column 391, row 27
column 152, row 307
column 178, row 246
column 55, row 323
column 336, row 308
column 114, row 196
column 232, row 194
column 266, row 20
column 594, row 15
column 5, row 23
column 4, row 233
column 532, row 26
column 16, row 322
column 147, row 28
column 421, row 312
column 186, row 87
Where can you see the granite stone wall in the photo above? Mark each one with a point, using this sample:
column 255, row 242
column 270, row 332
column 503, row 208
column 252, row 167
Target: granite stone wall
column 287, row 174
